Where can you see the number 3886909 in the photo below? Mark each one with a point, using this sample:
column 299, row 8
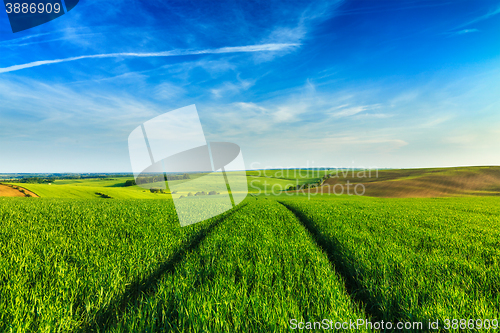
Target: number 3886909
column 32, row 8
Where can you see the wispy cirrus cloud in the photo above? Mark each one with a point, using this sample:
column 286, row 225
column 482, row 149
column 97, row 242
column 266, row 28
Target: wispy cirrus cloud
column 491, row 13
column 232, row 88
column 351, row 111
column 462, row 32
column 14, row 41
column 172, row 53
column 459, row 30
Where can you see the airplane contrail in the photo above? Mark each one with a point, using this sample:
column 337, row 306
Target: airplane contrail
column 172, row 53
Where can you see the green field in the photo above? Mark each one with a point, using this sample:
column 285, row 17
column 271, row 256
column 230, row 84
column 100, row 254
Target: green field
column 126, row 265
column 71, row 261
column 431, row 182
column 87, row 188
column 407, row 259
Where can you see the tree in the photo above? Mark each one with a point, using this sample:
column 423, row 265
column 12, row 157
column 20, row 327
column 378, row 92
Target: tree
column 130, row 182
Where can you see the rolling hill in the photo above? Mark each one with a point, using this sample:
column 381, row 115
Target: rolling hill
column 420, row 183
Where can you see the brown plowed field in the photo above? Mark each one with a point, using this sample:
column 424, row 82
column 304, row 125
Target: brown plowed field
column 484, row 181
column 7, row 191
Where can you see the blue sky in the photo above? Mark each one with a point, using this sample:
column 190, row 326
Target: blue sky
column 295, row 83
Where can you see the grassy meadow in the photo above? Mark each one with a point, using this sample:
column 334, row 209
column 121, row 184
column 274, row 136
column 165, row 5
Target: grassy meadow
column 87, row 188
column 72, row 261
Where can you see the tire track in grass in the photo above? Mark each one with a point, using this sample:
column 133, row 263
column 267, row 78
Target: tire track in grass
column 256, row 272
column 335, row 254
column 110, row 315
column 415, row 260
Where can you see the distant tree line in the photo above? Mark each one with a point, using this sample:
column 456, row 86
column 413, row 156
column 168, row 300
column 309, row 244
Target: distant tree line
column 190, row 194
column 37, row 180
column 178, row 177
column 51, row 177
column 156, row 190
column 153, row 179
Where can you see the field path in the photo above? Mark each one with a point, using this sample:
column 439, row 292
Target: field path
column 7, row 191
column 149, row 284
column 333, row 249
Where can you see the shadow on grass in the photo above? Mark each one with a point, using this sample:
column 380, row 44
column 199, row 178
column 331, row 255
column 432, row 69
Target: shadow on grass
column 110, row 316
column 342, row 263
column 117, row 185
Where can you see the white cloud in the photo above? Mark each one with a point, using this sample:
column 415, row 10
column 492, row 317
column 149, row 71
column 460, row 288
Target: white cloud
column 346, row 112
column 167, row 91
column 491, row 13
column 56, row 109
column 373, row 115
column 284, row 113
column 435, row 121
column 232, row 49
column 297, row 31
column 231, row 88
column 354, row 140
column 250, row 106
column 350, row 111
column 405, row 97
column 462, row 32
